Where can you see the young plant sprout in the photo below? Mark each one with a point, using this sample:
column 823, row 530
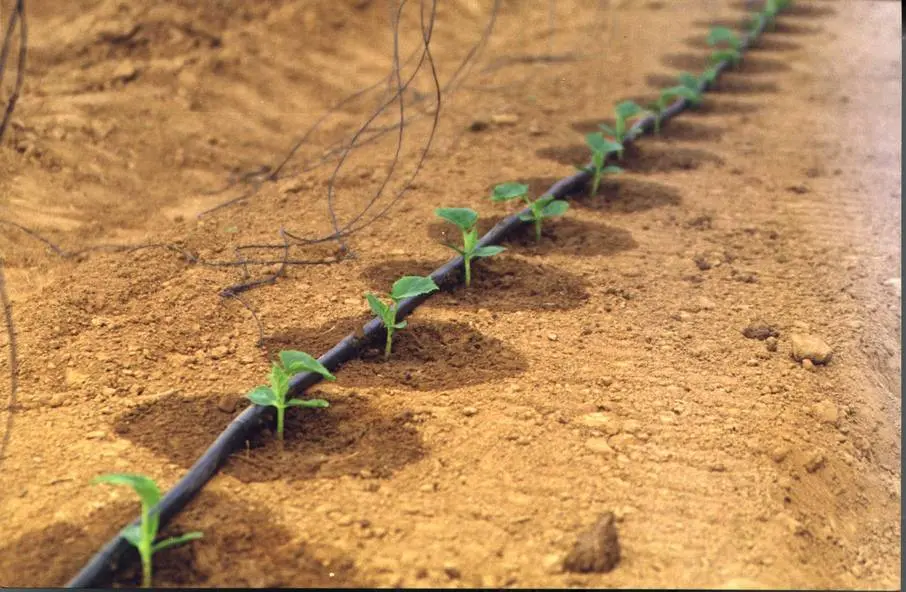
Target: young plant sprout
column 691, row 82
column 142, row 535
column 600, row 148
column 544, row 207
column 465, row 219
column 624, row 112
column 733, row 53
column 668, row 95
column 405, row 287
column 291, row 363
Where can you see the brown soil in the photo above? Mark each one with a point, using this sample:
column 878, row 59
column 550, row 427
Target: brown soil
column 603, row 369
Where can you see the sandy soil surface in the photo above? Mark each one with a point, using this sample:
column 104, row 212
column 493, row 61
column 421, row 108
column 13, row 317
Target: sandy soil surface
column 611, row 367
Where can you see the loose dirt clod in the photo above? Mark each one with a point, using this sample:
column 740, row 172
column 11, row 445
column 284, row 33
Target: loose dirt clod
column 597, row 549
column 760, row 331
column 809, row 347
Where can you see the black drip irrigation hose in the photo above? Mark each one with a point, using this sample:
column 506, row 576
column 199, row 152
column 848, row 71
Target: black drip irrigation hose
column 239, row 430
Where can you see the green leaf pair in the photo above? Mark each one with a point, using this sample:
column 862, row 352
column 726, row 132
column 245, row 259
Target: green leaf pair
column 465, row 219
column 623, row 112
column 291, row 363
column 405, row 287
column 141, row 536
column 601, row 147
column 544, row 207
column 723, row 35
column 686, row 89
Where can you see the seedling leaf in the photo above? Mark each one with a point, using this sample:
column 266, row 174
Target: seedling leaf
column 310, row 403
column 730, row 55
column 263, row 395
column 146, row 489
column 555, row 208
column 599, row 144
column 296, row 361
column 377, row 307
column 279, row 381
column 689, row 81
column 719, row 35
column 611, row 170
column 412, row 285
column 133, row 534
column 606, row 128
column 487, row 251
column 508, row 191
column 173, row 541
column 628, row 109
column 464, row 218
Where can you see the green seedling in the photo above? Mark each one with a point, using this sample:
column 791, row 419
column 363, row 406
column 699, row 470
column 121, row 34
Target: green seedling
column 544, row 207
column 772, row 8
column 601, row 147
column 291, row 363
column 723, row 35
column 710, row 75
column 691, row 83
column 624, row 112
column 142, row 535
column 405, row 287
column 466, row 219
column 668, row 95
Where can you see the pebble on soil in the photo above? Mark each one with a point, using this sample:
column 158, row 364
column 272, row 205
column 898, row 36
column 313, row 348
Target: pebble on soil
column 596, row 549
column 809, row 347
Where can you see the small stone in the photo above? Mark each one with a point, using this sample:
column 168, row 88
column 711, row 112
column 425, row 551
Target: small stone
column 57, row 400
column 428, row 488
column 469, row 411
column 535, row 130
column 452, row 570
column 602, row 422
column 599, row 445
column 814, row 462
column 505, row 119
column 826, row 412
column 631, row 426
column 552, row 564
column 809, row 347
column 227, row 403
column 621, row 441
column 760, row 331
column 96, row 435
column 808, row 364
column 344, row 520
column 108, row 391
column 219, row 352
column 753, row 362
column 771, row 344
column 552, row 336
column 706, row 303
column 596, row 549
column 780, row 453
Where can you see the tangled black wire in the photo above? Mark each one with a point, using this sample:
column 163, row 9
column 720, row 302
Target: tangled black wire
column 17, row 17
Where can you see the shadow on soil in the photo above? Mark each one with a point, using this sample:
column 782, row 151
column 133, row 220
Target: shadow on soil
column 624, row 195
column 347, row 438
column 238, row 550
column 779, row 27
column 795, row 9
column 727, row 84
column 649, row 159
column 751, row 64
column 427, row 355
column 565, row 235
column 501, row 284
column 675, row 129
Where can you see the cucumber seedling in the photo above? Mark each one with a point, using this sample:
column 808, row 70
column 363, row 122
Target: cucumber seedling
column 141, row 536
column 291, row 363
column 544, row 207
column 465, row 219
column 624, row 112
column 733, row 51
column 405, row 287
column 600, row 148
column 668, row 95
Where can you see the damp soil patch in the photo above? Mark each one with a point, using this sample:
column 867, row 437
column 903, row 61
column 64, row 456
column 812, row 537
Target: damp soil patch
column 350, row 436
column 505, row 283
column 427, row 355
